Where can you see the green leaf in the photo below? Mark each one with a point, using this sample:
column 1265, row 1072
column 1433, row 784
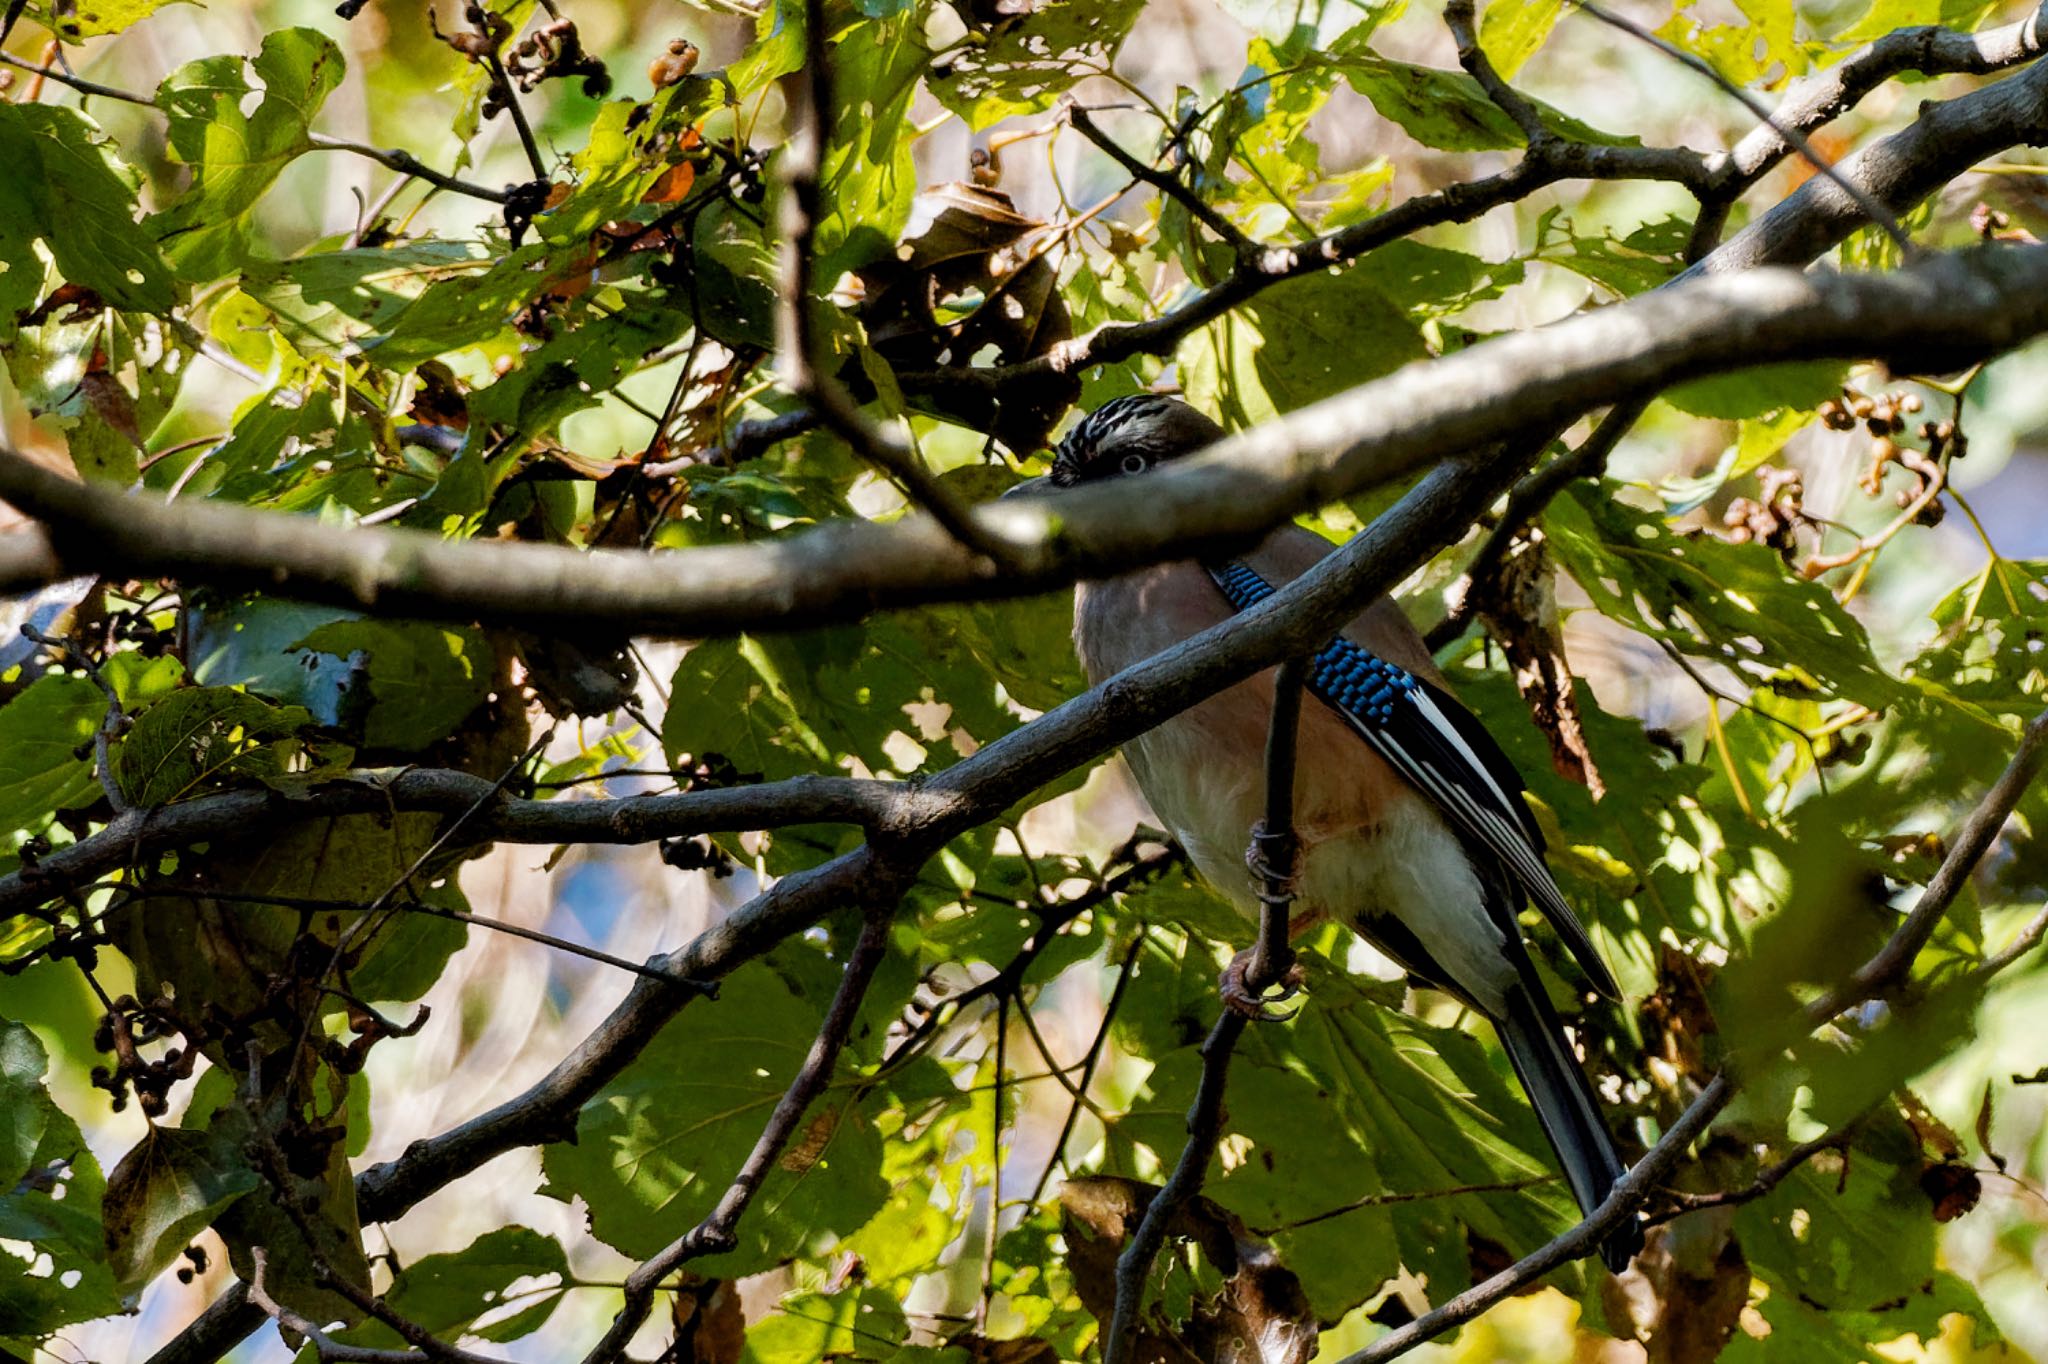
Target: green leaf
column 75, row 23
column 1801, row 385
column 1448, row 110
column 70, row 189
column 780, row 706
column 869, row 174
column 330, row 298
column 225, row 951
column 1628, row 265
column 570, row 372
column 1847, row 1246
column 236, row 156
column 410, row 954
column 298, row 1273
column 856, row 1323
column 1510, row 31
column 50, row 1198
column 201, row 736
column 1434, row 281
column 1356, row 1099
column 657, row 1148
column 1021, row 65
column 1735, row 604
column 45, row 750
column 448, row 1294
column 255, row 643
column 464, row 309
column 425, row 679
column 170, row 1187
column 1295, row 344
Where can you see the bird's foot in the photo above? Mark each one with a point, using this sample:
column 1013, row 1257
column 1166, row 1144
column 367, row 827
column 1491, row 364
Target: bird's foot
column 1239, row 996
column 1274, row 861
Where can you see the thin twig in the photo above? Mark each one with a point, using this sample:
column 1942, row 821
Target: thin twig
column 1525, row 504
column 1384, row 1200
column 718, row 1231
column 405, row 163
column 1872, row 209
column 1271, row 960
column 803, row 357
column 1767, row 1179
column 83, row 87
column 513, row 107
column 263, row 1146
column 326, row 1346
column 992, row 1230
column 1471, row 56
column 1167, row 183
column 744, row 442
column 1095, row 1048
column 533, row 935
column 2028, row 939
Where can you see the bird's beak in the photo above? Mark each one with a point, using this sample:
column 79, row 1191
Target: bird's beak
column 1030, row 487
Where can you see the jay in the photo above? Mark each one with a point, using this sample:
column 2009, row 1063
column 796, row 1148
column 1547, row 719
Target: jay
column 1411, row 822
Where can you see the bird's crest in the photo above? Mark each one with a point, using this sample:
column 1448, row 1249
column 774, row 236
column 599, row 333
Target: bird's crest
column 1130, row 435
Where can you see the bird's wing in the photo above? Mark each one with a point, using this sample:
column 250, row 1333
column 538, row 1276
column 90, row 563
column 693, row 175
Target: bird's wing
column 1445, row 753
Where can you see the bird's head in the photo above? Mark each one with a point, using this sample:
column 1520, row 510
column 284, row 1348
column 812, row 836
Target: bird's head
column 1129, row 436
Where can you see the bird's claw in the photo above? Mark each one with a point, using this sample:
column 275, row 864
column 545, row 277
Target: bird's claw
column 1240, row 998
column 1274, row 861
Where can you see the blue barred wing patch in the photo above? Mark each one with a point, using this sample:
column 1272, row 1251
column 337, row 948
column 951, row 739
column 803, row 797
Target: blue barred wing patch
column 1442, row 751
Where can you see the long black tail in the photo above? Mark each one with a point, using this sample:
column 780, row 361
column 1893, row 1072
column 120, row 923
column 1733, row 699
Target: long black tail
column 1568, row 1109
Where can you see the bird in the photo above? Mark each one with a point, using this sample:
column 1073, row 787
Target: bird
column 1412, row 824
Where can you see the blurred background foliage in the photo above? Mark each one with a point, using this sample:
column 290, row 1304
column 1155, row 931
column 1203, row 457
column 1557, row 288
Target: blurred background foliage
column 1805, row 624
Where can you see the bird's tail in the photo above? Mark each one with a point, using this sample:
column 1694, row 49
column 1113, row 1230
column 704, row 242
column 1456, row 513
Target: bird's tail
column 1568, row 1109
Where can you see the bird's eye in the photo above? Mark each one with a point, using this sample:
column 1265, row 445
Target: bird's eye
column 1136, row 464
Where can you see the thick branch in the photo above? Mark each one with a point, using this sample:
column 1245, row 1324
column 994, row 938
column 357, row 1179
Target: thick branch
column 1869, row 207
column 1812, row 102
column 1897, row 172
column 1940, row 314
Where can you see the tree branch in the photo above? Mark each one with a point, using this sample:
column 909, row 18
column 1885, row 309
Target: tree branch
column 1937, row 314
column 1896, row 172
column 1813, row 101
column 1458, row 15
column 499, row 818
column 405, row 163
column 1167, row 183
column 1767, row 1179
column 1525, row 503
column 1870, row 208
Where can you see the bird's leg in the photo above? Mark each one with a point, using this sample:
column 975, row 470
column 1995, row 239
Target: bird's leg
column 1274, row 860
